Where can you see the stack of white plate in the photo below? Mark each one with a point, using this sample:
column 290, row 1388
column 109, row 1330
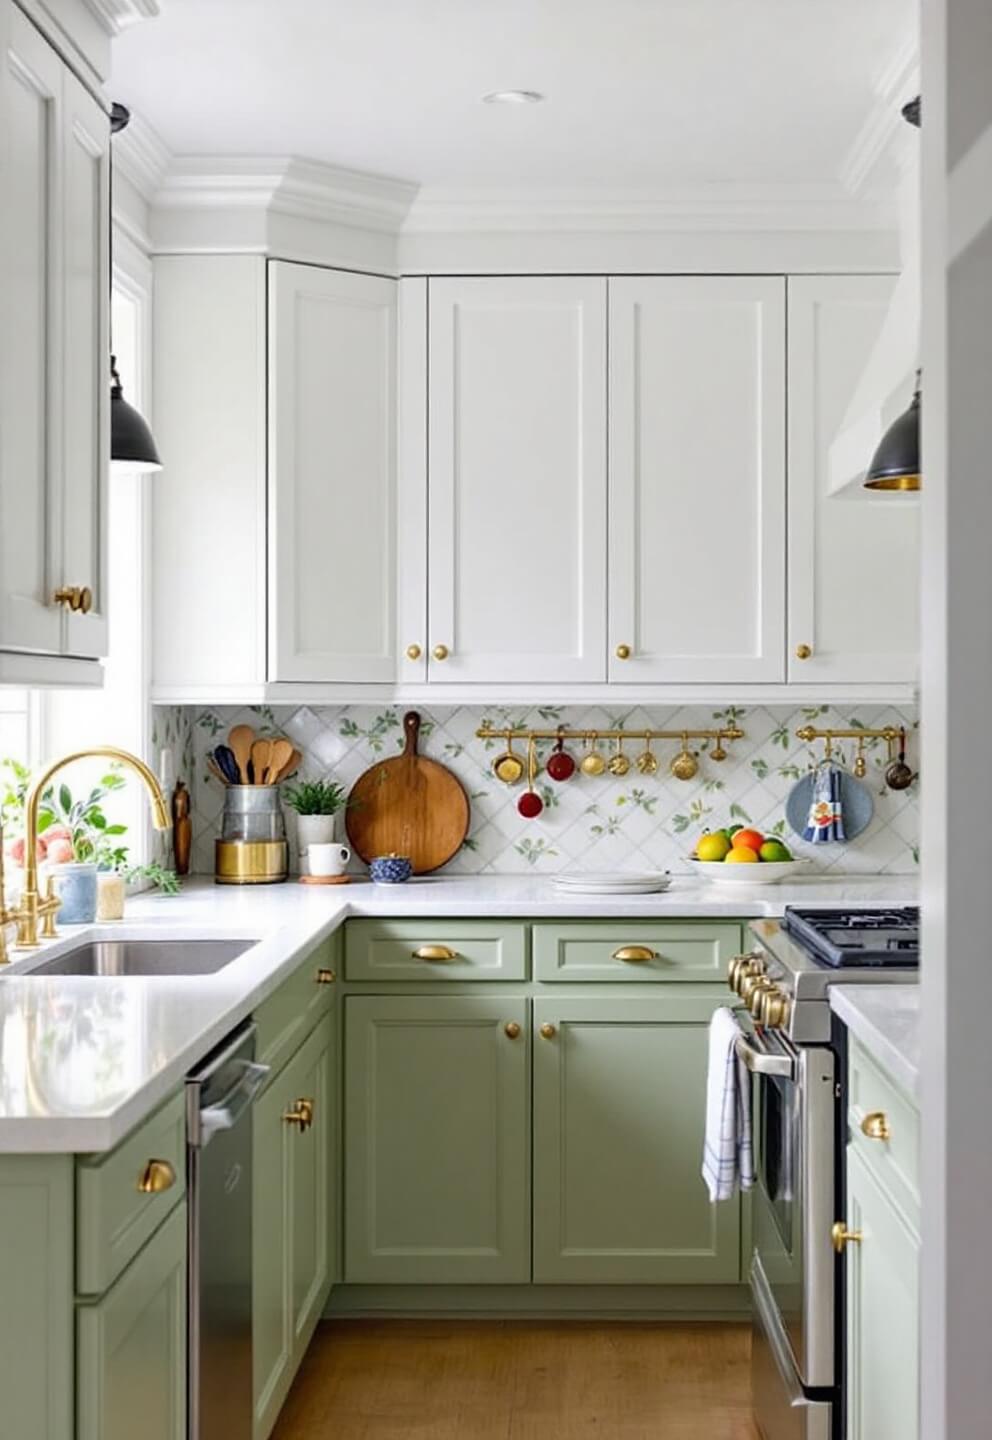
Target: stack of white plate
column 644, row 883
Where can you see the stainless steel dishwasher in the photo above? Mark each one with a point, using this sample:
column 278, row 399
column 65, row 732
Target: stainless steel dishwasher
column 219, row 1150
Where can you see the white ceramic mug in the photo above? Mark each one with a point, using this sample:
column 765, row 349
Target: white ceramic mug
column 328, row 859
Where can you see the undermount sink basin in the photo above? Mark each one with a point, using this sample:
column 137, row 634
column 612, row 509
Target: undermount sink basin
column 146, row 957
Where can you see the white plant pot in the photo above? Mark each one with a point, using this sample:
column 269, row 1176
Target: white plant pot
column 313, row 830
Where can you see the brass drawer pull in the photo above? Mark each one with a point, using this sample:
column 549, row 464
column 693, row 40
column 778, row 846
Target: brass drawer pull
column 804, row 652
column 435, row 952
column 876, row 1126
column 326, row 977
column 157, row 1177
column 301, row 1115
column 512, row 1029
column 440, row 652
column 548, row 1031
column 842, row 1237
column 635, row 954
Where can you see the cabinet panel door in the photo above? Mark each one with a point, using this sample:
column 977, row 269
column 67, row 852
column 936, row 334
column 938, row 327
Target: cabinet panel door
column 312, row 1221
column 618, row 1139
column 517, row 478
column 697, row 478
column 853, row 557
column 436, row 1130
column 332, row 441
column 882, row 1313
column 131, row 1346
column 31, row 77
column 87, row 373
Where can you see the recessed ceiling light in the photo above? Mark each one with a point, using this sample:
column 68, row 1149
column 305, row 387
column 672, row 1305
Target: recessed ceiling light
column 513, row 97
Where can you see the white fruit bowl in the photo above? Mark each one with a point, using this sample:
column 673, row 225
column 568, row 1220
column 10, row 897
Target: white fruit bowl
column 768, row 872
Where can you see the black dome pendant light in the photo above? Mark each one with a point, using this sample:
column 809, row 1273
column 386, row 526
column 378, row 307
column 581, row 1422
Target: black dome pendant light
column 895, row 465
column 132, row 446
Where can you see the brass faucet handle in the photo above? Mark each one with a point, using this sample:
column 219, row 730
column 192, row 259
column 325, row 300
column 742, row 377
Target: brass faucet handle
column 48, row 908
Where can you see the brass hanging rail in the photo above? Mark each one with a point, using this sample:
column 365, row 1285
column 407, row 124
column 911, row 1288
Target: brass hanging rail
column 728, row 732
column 809, row 733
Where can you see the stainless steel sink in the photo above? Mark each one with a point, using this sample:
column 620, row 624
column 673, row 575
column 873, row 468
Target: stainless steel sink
column 146, row 957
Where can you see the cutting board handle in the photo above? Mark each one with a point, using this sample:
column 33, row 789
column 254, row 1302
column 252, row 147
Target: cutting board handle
column 411, row 727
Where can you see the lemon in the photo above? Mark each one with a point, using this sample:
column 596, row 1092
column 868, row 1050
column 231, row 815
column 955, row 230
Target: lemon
column 713, row 847
column 741, row 855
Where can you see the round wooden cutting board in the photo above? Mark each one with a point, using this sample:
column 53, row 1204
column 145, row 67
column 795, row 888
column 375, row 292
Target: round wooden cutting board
column 408, row 806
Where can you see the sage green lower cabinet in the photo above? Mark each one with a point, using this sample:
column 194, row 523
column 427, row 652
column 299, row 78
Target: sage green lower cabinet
column 293, row 1217
column 437, row 1174
column 882, row 1311
column 131, row 1346
column 619, row 1102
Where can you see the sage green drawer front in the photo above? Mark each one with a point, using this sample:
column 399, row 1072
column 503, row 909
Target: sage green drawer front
column 628, row 951
column 122, row 1198
column 884, row 1128
column 284, row 1020
column 435, row 950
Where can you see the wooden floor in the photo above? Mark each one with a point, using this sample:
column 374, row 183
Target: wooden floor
column 521, row 1380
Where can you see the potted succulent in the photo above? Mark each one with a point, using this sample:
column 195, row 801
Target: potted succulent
column 316, row 803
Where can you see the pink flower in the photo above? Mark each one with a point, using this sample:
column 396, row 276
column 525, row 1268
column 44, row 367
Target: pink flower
column 59, row 850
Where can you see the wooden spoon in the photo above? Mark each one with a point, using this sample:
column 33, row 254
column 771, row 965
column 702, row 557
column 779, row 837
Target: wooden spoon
column 282, row 751
column 261, row 756
column 290, row 768
column 241, row 739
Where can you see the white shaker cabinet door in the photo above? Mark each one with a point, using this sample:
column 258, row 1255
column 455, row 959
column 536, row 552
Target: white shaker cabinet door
column 697, row 479
column 332, row 440
column 517, row 479
column 31, row 77
column 853, row 556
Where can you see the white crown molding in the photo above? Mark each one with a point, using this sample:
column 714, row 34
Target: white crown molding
column 116, row 15
column 142, row 156
column 885, row 135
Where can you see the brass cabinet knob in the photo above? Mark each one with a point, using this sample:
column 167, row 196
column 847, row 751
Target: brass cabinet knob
column 157, row 1177
column 876, row 1126
column 301, row 1115
column 548, row 1031
column 512, row 1029
column 413, row 652
column 440, row 652
column 622, row 652
column 326, row 977
column 77, row 598
column 634, row 954
column 435, row 952
column 842, row 1237
column 804, row 652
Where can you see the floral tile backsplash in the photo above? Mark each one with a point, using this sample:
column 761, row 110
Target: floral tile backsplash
column 604, row 823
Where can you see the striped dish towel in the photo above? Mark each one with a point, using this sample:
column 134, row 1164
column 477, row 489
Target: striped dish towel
column 728, row 1156
column 826, row 812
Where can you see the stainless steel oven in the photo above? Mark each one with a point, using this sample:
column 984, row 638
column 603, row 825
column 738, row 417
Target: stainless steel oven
column 795, row 1108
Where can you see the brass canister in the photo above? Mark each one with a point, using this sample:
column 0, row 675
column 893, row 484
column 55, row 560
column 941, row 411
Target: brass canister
column 250, row 862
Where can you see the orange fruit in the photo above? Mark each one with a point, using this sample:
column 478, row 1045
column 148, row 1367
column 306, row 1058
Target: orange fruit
column 750, row 839
column 742, row 855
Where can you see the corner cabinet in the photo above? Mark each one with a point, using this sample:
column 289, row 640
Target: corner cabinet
column 55, row 382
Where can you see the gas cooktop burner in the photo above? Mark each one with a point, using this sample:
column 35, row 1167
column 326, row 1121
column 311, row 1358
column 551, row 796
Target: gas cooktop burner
column 857, row 938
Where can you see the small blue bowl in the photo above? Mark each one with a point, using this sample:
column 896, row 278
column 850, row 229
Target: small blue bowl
column 390, row 869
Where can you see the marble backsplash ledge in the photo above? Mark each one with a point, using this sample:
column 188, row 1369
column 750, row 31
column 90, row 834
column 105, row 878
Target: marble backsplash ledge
column 605, row 823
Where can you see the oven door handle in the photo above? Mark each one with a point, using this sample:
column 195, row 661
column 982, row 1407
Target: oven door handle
column 761, row 1064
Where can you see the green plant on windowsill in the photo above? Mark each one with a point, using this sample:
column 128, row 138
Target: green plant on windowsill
column 315, row 797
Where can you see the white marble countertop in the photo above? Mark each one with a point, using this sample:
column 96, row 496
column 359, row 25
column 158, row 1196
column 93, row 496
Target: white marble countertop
column 886, row 1019
column 83, row 1060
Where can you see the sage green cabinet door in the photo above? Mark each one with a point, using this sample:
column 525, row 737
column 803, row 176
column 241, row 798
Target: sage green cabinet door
column 131, row 1346
column 882, row 1313
column 437, row 1139
column 619, row 1101
column 292, row 1222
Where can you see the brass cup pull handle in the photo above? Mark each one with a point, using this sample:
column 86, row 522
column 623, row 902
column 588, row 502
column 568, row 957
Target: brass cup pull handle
column 435, row 952
column 440, row 652
column 876, row 1126
column 326, row 977
column 635, row 954
column 511, row 1029
column 841, row 1237
column 301, row 1115
column 413, row 652
column 548, row 1031
column 157, row 1177
column 804, row 652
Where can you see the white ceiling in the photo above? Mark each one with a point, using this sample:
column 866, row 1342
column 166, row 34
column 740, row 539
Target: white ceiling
column 642, row 94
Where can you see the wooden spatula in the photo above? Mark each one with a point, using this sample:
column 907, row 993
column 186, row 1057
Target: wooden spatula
column 261, row 756
column 282, row 751
column 241, row 739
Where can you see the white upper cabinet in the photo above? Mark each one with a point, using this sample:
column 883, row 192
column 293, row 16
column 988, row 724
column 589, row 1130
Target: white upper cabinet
column 697, row 479
column 332, row 427
column 517, row 507
column 853, row 557
column 54, row 386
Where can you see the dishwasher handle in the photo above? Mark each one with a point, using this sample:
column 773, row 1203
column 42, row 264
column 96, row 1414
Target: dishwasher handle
column 226, row 1114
